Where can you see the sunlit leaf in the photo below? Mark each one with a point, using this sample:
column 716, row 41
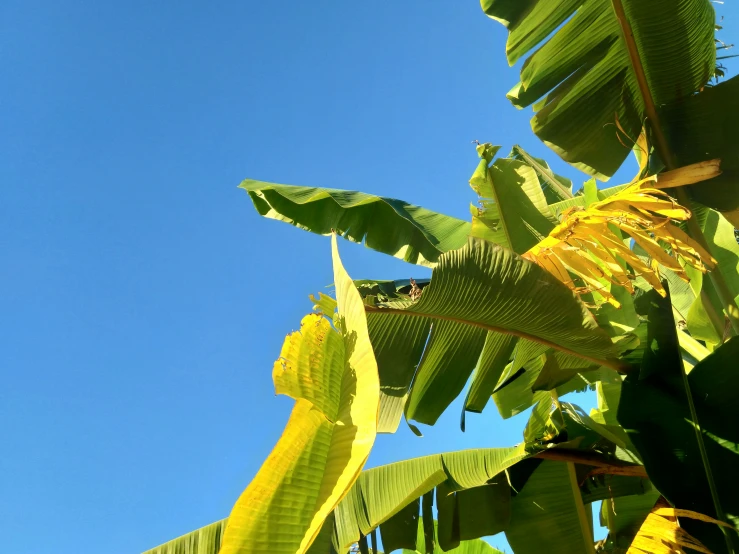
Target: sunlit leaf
column 390, row 226
column 333, row 377
column 591, row 106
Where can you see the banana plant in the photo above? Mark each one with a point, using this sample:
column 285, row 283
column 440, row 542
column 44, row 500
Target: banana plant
column 629, row 290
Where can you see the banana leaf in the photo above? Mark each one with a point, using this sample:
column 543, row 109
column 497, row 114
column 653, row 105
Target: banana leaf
column 206, row 540
column 591, row 104
column 390, row 226
column 514, row 211
column 476, row 290
column 332, row 375
column 655, row 412
column 705, row 126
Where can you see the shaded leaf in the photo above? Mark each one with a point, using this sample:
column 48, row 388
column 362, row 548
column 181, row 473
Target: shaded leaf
column 655, row 413
column 382, row 492
column 485, row 287
column 703, row 127
column 548, row 514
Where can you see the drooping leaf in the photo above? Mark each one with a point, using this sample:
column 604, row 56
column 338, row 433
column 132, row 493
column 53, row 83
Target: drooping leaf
column 548, row 515
column 592, row 107
column 472, row 513
column 655, row 412
column 476, row 546
column 390, row 226
column 494, row 358
column 482, row 288
column 333, row 377
column 520, row 394
column 382, row 492
column 401, row 530
column 660, row 533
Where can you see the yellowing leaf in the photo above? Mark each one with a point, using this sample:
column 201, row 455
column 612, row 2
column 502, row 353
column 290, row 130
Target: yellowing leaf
column 585, row 244
column 333, row 377
column 661, row 534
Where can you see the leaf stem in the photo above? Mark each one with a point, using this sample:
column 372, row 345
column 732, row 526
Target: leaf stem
column 585, row 525
column 729, row 304
column 617, row 365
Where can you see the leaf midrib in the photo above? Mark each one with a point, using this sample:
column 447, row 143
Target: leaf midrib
column 615, row 364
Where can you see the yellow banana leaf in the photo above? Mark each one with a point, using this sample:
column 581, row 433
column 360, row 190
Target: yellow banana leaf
column 332, row 375
column 585, row 245
column 661, row 534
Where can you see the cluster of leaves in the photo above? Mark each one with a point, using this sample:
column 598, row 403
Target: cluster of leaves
column 544, row 292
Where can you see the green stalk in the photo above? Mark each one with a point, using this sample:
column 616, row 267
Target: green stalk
column 694, row 230
column 585, row 529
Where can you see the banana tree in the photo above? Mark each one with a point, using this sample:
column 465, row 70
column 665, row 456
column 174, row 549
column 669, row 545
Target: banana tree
column 629, row 291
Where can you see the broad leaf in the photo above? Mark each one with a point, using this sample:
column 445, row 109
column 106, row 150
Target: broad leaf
column 333, row 377
column 722, row 244
column 476, row 546
column 206, row 540
column 549, row 515
column 654, row 411
column 472, row 513
column 390, row 226
column 624, row 516
column 556, row 187
column 514, row 211
column 592, row 108
column 382, row 492
column 478, row 289
column 703, row 127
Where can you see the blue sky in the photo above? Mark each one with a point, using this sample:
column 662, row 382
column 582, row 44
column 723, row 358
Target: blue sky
column 144, row 301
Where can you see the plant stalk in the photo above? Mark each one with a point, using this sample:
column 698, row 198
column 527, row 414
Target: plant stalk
column 585, row 525
column 729, row 304
column 694, row 229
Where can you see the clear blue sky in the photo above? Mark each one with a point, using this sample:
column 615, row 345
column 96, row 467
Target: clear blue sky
column 143, row 300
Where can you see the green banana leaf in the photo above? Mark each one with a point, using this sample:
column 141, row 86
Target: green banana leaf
column 475, row 546
column 478, row 289
column 514, row 211
column 548, row 515
column 592, row 108
column 475, row 492
column 532, row 384
column 654, row 411
column 390, row 226
column 556, row 187
column 705, row 126
column 381, row 493
column 206, row 540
